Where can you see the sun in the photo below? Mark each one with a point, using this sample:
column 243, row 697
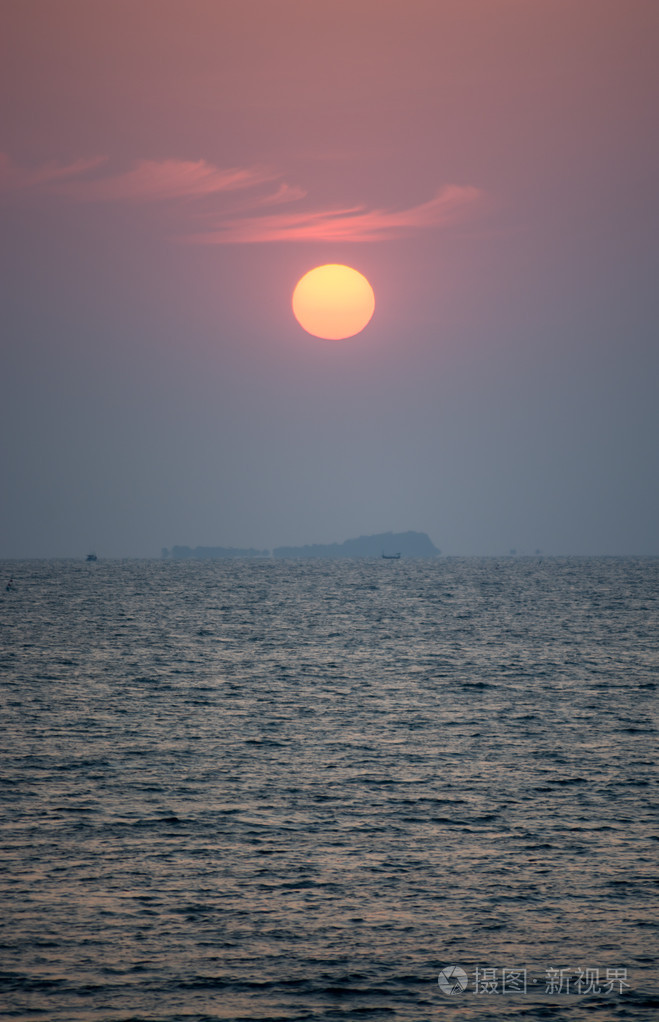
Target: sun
column 333, row 302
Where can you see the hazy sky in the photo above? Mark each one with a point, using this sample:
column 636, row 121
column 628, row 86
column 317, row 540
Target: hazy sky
column 170, row 168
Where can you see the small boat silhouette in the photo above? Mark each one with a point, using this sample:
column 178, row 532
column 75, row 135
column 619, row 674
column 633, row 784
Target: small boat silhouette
column 391, row 557
column 92, row 557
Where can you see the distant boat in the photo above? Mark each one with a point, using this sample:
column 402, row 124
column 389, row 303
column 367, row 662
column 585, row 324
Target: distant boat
column 92, row 557
column 391, row 557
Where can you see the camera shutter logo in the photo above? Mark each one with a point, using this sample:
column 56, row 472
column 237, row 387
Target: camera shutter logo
column 452, row 980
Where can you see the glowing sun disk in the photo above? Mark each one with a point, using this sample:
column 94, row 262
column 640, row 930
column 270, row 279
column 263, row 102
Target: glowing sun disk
column 333, row 302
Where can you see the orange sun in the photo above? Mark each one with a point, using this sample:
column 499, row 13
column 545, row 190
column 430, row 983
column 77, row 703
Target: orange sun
column 333, row 302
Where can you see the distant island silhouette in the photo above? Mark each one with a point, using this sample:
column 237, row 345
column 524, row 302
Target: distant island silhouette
column 382, row 544
column 407, row 544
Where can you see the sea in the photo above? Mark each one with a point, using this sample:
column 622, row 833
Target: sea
column 374, row 790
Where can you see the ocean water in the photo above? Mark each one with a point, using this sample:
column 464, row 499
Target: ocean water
column 300, row 790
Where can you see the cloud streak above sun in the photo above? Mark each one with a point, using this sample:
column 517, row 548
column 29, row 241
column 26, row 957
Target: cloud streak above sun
column 357, row 223
column 159, row 181
column 147, row 181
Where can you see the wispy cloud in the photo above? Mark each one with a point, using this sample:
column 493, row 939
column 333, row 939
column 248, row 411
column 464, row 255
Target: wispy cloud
column 285, row 193
column 147, row 181
column 156, row 181
column 355, row 223
column 45, row 177
column 236, row 221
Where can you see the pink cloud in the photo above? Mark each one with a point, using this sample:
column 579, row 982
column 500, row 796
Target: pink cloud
column 355, row 223
column 87, row 180
column 147, row 181
column 48, row 174
column 157, row 180
column 285, row 193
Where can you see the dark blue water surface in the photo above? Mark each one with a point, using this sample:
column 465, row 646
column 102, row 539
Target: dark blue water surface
column 297, row 790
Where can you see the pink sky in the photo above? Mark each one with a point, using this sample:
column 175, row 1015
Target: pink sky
column 168, row 170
